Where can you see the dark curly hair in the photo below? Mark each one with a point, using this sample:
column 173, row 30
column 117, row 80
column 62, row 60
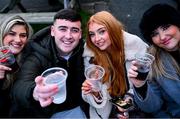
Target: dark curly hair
column 156, row 16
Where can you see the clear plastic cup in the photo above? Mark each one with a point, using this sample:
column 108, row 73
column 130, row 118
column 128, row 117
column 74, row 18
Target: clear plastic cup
column 56, row 75
column 7, row 58
column 94, row 73
column 144, row 61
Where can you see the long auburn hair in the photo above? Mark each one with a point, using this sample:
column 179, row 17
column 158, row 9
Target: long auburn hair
column 112, row 59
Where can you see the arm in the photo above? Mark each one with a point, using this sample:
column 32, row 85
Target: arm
column 151, row 96
column 99, row 99
column 95, row 99
column 3, row 70
column 133, row 45
column 152, row 101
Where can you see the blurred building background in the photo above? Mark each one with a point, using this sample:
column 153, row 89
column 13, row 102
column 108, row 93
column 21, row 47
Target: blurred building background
column 129, row 12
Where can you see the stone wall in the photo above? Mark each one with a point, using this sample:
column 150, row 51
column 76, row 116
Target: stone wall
column 93, row 6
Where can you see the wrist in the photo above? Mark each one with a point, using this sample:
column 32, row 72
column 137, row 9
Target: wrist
column 140, row 84
column 96, row 94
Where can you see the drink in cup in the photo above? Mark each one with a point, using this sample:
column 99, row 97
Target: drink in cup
column 7, row 58
column 94, row 73
column 144, row 61
column 56, row 75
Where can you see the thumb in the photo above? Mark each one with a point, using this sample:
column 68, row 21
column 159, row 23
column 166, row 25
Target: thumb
column 39, row 80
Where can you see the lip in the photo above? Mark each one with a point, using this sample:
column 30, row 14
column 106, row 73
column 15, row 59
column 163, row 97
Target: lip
column 165, row 42
column 100, row 44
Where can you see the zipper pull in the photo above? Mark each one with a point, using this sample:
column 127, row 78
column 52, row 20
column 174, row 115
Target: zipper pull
column 67, row 63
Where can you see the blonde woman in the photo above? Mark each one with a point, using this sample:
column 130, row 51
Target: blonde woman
column 14, row 32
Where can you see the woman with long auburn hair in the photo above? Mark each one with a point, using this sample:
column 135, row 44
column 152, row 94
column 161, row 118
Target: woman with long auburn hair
column 109, row 46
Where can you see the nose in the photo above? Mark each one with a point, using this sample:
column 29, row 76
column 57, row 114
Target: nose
column 97, row 38
column 68, row 34
column 17, row 38
column 162, row 35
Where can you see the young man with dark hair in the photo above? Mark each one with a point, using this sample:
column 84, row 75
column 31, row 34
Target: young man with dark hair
column 59, row 45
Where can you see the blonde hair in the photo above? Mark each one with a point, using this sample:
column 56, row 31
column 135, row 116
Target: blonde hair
column 112, row 60
column 158, row 69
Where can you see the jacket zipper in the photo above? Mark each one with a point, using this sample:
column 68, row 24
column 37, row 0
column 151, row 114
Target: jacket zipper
column 67, row 63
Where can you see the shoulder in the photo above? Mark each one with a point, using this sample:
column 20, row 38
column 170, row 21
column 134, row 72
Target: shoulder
column 133, row 44
column 35, row 52
column 131, row 39
column 42, row 38
column 41, row 42
column 87, row 55
column 87, row 52
column 167, row 60
column 42, row 33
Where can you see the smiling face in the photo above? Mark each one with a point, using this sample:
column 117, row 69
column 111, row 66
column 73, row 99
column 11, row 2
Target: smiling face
column 167, row 37
column 16, row 38
column 99, row 36
column 67, row 35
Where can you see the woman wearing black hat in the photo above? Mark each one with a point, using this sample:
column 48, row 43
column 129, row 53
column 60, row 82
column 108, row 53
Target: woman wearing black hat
column 159, row 95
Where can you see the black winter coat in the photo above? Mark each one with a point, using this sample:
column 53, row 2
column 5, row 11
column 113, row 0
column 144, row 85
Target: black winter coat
column 42, row 54
column 4, row 101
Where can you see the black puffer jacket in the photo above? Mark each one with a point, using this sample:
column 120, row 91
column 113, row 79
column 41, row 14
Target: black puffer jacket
column 42, row 54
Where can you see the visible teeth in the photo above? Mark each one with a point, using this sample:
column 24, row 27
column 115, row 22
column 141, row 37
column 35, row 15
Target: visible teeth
column 67, row 42
column 16, row 45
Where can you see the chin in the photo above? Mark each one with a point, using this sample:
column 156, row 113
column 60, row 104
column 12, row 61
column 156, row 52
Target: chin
column 102, row 48
column 16, row 52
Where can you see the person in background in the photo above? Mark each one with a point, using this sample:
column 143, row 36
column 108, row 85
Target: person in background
column 58, row 45
column 159, row 94
column 14, row 32
column 109, row 46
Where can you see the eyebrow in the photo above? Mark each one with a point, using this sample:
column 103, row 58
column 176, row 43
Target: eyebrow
column 16, row 32
column 68, row 27
column 102, row 28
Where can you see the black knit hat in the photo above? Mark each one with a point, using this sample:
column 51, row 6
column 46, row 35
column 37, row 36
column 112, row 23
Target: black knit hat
column 158, row 15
